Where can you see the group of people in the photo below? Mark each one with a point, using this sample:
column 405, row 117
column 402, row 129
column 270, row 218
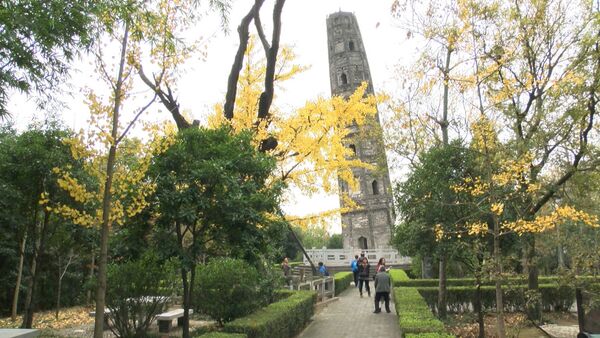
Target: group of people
column 361, row 270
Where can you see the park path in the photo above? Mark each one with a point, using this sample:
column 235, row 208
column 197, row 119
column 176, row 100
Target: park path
column 353, row 317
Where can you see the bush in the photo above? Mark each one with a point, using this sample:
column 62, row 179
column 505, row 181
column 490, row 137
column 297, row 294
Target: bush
column 226, row 289
column 342, row 281
column 270, row 280
column 398, row 276
column 415, row 316
column 222, row 335
column 136, row 292
column 429, row 335
column 472, row 281
column 460, row 298
column 282, row 319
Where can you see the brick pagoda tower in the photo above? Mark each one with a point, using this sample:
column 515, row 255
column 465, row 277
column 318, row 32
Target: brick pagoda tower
column 371, row 226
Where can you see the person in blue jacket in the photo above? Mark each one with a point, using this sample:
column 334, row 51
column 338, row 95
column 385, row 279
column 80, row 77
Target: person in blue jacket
column 354, row 266
column 323, row 270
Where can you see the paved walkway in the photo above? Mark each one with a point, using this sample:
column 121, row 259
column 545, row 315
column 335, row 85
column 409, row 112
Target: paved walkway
column 561, row 331
column 353, row 317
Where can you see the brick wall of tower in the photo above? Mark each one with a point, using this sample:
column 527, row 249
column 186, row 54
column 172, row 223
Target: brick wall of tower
column 348, row 68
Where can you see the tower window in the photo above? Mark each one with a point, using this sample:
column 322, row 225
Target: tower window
column 344, row 79
column 351, row 45
column 375, row 186
column 353, row 148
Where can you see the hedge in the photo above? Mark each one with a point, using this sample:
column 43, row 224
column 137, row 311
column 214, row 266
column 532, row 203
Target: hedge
column 398, row 276
column 284, row 318
column 461, row 298
column 222, row 335
column 472, row 281
column 414, row 313
column 342, row 281
column 429, row 335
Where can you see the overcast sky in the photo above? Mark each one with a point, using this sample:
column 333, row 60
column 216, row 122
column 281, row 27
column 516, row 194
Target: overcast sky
column 303, row 27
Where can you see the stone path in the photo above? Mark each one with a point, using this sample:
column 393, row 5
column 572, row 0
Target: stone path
column 561, row 331
column 353, row 317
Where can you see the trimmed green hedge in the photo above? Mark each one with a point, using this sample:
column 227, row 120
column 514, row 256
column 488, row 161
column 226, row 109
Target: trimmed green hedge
column 414, row 313
column 342, row 281
column 472, row 281
column 222, row 335
column 398, row 276
column 460, row 298
column 285, row 318
column 429, row 335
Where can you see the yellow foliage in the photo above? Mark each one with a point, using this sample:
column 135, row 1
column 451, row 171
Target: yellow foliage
column 312, row 150
column 548, row 222
column 129, row 187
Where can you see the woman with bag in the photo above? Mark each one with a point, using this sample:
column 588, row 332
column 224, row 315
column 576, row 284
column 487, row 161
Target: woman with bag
column 363, row 276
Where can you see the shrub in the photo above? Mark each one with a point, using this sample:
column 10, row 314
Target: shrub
column 270, row 280
column 282, row 319
column 398, row 275
column 222, row 335
column 472, row 281
column 415, row 316
column 226, row 289
column 460, row 298
column 136, row 292
column 342, row 281
column 429, row 335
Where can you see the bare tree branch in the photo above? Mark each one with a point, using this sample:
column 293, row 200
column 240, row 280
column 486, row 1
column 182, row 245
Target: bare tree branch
column 238, row 61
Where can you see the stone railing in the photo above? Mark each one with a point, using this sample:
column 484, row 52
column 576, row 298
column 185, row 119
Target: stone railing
column 343, row 257
column 324, row 286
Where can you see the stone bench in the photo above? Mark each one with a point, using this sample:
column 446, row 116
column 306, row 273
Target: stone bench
column 165, row 319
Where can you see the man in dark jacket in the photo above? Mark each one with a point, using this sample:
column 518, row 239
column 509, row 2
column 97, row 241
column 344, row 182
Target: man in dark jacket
column 383, row 285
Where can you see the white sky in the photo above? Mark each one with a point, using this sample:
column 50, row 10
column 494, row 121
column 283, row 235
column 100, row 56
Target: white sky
column 303, row 27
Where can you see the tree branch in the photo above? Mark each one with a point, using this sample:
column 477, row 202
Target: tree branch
column 238, row 61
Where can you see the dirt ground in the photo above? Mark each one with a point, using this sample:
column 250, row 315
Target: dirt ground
column 75, row 322
column 516, row 324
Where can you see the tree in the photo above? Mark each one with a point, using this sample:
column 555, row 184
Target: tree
column 427, row 205
column 39, row 38
column 27, row 174
column 213, row 189
column 498, row 193
column 533, row 68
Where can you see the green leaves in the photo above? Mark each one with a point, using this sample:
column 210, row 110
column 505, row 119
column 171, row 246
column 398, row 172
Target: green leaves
column 217, row 186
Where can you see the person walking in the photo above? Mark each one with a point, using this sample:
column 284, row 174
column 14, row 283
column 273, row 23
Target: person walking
column 363, row 276
column 383, row 285
column 380, row 263
column 354, row 266
column 285, row 267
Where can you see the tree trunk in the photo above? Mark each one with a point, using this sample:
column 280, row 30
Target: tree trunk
column 580, row 309
column 59, row 287
column 61, row 275
column 186, row 303
column 442, row 288
column 498, row 262
column 88, row 297
column 444, row 122
column 479, row 310
column 38, row 251
column 534, row 309
column 19, row 276
column 312, row 265
column 106, row 200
